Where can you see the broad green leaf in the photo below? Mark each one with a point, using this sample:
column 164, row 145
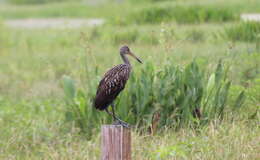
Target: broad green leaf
column 239, row 100
column 68, row 87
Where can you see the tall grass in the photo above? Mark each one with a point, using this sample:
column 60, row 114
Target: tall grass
column 179, row 97
column 124, row 36
column 245, row 31
column 183, row 14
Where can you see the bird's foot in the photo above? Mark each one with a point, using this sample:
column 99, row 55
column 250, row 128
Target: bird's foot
column 122, row 123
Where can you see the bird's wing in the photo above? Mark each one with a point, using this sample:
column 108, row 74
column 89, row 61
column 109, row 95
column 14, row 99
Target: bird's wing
column 111, row 85
column 114, row 80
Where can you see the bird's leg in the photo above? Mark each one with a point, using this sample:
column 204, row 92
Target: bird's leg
column 110, row 113
column 116, row 119
column 113, row 112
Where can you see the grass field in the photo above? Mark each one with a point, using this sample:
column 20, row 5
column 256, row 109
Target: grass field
column 195, row 57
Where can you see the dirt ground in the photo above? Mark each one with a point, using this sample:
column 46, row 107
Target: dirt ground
column 251, row 17
column 53, row 23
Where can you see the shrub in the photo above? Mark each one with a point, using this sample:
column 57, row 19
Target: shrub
column 151, row 15
column 183, row 14
column 244, row 31
column 200, row 14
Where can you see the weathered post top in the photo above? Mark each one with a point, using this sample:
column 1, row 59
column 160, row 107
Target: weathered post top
column 115, row 142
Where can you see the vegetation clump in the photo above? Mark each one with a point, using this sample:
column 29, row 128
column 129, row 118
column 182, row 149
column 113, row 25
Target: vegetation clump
column 244, row 31
column 183, row 14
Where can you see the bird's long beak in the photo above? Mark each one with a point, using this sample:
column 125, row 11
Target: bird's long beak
column 132, row 54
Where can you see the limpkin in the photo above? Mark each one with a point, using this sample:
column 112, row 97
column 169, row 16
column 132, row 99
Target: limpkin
column 113, row 83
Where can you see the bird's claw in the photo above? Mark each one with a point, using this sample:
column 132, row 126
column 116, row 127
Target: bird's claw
column 122, row 123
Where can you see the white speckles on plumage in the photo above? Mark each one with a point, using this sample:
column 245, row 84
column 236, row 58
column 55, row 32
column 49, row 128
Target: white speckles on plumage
column 112, row 84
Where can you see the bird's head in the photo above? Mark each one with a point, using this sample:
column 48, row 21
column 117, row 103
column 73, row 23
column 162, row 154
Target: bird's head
column 124, row 50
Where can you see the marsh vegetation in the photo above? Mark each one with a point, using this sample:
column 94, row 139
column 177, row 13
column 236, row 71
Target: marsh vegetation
column 200, row 79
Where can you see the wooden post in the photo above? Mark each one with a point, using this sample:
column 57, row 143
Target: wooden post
column 115, row 142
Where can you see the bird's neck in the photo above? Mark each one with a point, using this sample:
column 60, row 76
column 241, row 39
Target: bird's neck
column 125, row 59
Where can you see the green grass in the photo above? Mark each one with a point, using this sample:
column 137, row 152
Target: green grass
column 184, row 14
column 36, row 118
column 245, row 31
column 229, row 141
column 32, row 96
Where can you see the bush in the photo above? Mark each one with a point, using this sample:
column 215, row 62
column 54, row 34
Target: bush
column 201, row 14
column 151, row 15
column 245, row 31
column 183, row 14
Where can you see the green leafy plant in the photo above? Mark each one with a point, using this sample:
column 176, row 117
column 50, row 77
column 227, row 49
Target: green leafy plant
column 182, row 96
column 79, row 110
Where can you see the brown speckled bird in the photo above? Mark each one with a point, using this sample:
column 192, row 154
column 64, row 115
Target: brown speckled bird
column 113, row 83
